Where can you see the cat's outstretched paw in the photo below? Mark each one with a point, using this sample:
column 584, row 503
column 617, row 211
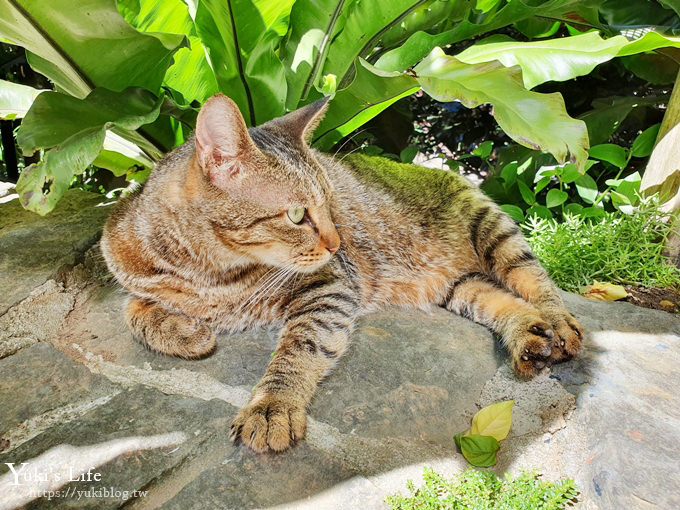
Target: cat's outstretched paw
column 531, row 348
column 269, row 422
column 569, row 336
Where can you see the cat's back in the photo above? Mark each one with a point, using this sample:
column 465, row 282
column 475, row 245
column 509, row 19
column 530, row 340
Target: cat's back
column 417, row 189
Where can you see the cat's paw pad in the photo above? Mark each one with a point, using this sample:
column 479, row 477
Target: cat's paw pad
column 532, row 348
column 269, row 423
column 569, row 337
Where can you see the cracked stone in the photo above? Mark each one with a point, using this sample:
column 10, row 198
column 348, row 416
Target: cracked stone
column 34, row 248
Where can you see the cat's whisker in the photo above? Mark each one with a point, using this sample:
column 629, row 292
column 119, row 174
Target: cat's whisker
column 283, row 281
column 341, row 256
column 275, row 283
column 239, row 259
column 350, row 152
column 298, row 277
column 263, row 286
column 280, row 274
column 349, row 140
column 267, row 280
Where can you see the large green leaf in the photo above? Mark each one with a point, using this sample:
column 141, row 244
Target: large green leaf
column 563, row 58
column 421, row 43
column 364, row 24
column 41, row 185
column 168, row 16
column 15, row 99
column 79, row 140
column 241, row 53
column 539, row 121
column 368, row 95
column 87, row 45
column 190, row 74
column 313, row 25
column 275, row 14
column 432, row 16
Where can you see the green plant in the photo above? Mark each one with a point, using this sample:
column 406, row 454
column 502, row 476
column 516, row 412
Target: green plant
column 533, row 185
column 616, row 247
column 159, row 59
column 483, row 490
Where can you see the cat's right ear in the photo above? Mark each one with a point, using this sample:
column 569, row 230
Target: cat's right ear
column 223, row 146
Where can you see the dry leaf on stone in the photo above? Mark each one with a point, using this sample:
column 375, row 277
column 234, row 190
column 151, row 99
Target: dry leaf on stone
column 604, row 291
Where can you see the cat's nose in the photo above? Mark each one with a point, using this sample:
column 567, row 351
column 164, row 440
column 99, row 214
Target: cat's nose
column 332, row 243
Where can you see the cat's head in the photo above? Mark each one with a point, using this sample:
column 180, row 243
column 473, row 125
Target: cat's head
column 270, row 197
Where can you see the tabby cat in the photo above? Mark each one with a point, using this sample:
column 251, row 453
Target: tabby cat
column 244, row 227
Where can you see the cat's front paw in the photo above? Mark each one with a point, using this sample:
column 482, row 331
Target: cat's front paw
column 531, row 348
column 269, row 422
column 193, row 339
column 569, row 336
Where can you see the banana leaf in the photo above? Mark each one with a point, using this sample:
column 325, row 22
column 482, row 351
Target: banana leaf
column 85, row 46
column 15, row 99
column 83, row 126
column 422, row 43
column 562, row 58
column 241, row 53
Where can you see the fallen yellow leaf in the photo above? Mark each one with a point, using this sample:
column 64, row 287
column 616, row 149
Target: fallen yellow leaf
column 604, row 291
column 494, row 420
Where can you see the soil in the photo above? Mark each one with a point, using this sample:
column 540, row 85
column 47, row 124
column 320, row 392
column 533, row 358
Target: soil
column 667, row 300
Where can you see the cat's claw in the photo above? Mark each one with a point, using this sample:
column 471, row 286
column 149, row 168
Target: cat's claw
column 269, row 423
column 533, row 347
column 235, row 432
column 569, row 335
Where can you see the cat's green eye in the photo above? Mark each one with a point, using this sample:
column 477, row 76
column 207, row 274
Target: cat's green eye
column 296, row 214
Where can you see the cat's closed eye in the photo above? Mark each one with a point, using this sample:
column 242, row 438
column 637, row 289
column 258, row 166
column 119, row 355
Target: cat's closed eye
column 296, row 214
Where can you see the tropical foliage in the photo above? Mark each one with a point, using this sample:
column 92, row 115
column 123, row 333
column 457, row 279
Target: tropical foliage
column 129, row 75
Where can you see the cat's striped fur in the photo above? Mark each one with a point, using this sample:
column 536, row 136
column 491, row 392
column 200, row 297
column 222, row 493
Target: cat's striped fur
column 207, row 245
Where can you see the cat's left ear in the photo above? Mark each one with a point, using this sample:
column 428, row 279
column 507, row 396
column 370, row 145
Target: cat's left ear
column 302, row 122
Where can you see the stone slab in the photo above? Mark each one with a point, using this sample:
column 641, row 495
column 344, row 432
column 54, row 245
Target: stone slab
column 409, row 382
column 41, row 379
column 33, row 248
column 136, row 413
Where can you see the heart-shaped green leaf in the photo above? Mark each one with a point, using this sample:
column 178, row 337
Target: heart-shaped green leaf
column 479, row 450
column 555, row 198
column 514, row 212
column 644, row 143
column 611, row 153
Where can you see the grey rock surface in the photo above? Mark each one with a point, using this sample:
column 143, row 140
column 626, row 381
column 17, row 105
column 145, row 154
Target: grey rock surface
column 77, row 392
column 33, row 248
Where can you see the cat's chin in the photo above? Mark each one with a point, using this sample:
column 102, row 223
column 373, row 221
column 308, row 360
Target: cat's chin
column 310, row 269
